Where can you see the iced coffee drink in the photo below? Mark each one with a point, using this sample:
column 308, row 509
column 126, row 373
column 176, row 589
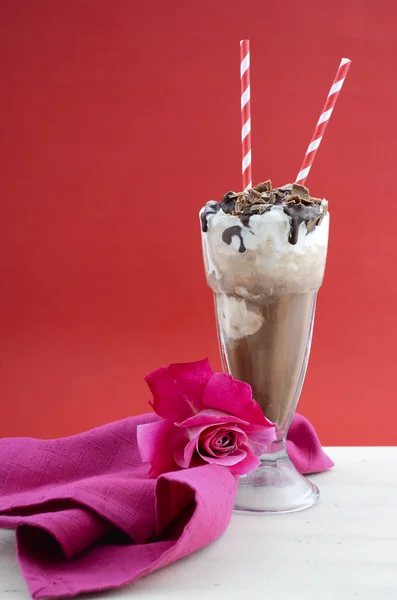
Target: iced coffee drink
column 264, row 256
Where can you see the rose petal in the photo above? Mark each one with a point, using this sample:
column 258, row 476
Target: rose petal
column 178, row 389
column 192, row 378
column 213, row 434
column 157, row 443
column 248, row 464
column 234, row 397
column 196, row 432
column 208, row 442
column 228, row 460
column 183, row 456
column 220, row 437
column 304, row 447
column 205, row 445
column 208, row 417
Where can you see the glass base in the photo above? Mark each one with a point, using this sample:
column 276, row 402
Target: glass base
column 275, row 487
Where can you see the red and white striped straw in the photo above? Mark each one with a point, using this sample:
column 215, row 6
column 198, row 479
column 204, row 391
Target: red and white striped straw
column 245, row 113
column 323, row 120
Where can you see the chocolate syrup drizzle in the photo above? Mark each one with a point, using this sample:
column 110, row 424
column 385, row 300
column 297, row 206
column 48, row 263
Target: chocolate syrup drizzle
column 295, row 200
column 211, row 208
column 228, row 234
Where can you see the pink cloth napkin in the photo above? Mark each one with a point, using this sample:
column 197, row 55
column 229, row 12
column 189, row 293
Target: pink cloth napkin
column 88, row 518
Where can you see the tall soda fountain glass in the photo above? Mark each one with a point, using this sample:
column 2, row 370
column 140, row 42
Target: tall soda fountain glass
column 264, row 257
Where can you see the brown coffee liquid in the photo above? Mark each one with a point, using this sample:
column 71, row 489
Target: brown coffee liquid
column 272, row 359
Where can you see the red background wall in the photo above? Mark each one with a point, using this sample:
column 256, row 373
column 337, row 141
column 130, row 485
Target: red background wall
column 118, row 120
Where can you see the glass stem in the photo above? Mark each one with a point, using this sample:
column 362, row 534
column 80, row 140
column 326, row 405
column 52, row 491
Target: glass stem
column 275, row 450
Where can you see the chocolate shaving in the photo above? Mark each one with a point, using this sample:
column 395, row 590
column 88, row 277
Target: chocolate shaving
column 292, row 200
column 310, row 225
column 249, row 199
column 301, row 191
column 239, row 205
column 236, row 195
column 265, row 186
column 285, row 188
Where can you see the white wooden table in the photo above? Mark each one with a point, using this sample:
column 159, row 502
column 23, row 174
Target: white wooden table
column 343, row 548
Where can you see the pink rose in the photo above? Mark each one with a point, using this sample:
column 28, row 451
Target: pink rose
column 206, row 418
